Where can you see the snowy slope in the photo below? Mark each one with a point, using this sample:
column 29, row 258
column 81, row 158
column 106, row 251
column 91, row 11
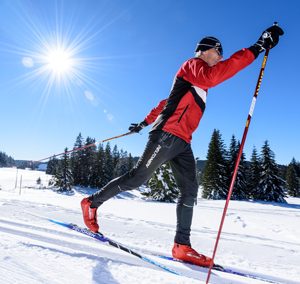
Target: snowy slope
column 257, row 237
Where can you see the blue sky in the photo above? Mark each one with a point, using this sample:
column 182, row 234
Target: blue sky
column 121, row 57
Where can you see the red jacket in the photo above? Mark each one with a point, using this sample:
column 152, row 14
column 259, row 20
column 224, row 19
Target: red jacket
column 181, row 112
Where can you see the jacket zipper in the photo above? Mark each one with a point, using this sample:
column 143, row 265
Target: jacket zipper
column 185, row 109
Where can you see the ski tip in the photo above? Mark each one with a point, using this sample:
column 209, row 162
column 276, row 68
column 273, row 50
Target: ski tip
column 218, row 267
column 56, row 222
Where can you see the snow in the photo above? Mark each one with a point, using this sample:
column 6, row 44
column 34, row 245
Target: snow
column 263, row 238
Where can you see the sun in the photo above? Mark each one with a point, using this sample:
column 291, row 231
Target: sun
column 59, row 61
column 61, row 55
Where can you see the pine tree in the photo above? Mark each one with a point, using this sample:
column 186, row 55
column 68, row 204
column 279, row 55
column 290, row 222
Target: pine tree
column 2, row 159
column 63, row 178
column 162, row 185
column 39, row 181
column 98, row 181
column 6, row 161
column 76, row 162
column 130, row 162
column 115, row 160
column 297, row 168
column 271, row 185
column 122, row 165
column 292, row 181
column 240, row 186
column 88, row 162
column 108, row 168
column 254, row 173
column 215, row 178
column 52, row 166
column 233, row 153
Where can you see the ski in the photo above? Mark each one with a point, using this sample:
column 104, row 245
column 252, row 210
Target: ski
column 223, row 269
column 102, row 238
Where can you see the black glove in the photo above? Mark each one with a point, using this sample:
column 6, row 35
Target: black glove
column 268, row 39
column 137, row 127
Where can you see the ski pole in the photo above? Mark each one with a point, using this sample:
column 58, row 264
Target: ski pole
column 261, row 73
column 85, row 146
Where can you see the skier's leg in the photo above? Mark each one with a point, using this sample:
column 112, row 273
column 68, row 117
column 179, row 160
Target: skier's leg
column 149, row 161
column 158, row 150
column 184, row 169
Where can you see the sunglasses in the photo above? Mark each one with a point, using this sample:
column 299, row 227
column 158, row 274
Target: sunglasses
column 219, row 51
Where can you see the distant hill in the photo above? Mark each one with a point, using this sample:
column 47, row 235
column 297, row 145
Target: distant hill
column 23, row 164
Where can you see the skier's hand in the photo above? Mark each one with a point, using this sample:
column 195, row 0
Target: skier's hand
column 137, row 127
column 268, row 39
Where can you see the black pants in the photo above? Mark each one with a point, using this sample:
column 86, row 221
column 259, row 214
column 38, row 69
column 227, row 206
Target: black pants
column 161, row 147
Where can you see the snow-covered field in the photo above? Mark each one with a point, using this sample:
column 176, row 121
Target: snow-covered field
column 263, row 238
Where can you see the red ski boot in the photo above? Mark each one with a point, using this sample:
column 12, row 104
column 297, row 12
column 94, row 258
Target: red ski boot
column 187, row 254
column 89, row 215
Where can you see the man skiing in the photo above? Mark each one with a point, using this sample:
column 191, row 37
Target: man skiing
column 175, row 119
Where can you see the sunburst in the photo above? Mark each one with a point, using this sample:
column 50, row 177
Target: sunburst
column 59, row 64
column 59, row 61
column 57, row 54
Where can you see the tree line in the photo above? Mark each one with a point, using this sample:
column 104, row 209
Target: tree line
column 259, row 179
column 90, row 167
column 6, row 161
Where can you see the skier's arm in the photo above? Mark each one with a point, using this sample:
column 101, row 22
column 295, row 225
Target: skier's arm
column 200, row 74
column 153, row 114
column 150, row 118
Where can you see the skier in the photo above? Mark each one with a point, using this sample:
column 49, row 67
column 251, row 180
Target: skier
column 175, row 119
